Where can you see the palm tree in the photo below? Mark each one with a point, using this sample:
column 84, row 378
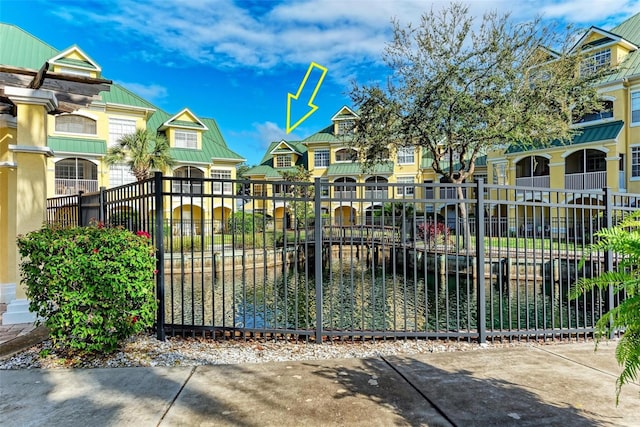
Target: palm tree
column 143, row 151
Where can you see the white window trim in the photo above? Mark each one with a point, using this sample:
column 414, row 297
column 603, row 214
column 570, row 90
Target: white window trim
column 324, row 150
column 400, row 189
column 407, row 151
column 120, row 121
column 631, row 122
column 283, row 156
column 222, row 187
column 631, row 177
column 86, row 116
column 185, row 133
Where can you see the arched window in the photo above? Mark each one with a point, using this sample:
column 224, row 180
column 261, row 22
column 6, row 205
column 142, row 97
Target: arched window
column 373, row 191
column 188, row 186
column 346, row 155
column 71, row 123
column 74, row 175
column 345, row 188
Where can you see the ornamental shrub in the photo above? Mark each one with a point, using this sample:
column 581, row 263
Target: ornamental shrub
column 244, row 223
column 93, row 286
column 434, row 233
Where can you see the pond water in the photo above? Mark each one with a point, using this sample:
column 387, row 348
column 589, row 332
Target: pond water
column 358, row 297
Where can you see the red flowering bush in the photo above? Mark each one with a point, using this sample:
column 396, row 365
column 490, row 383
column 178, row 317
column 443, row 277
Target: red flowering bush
column 434, row 233
column 93, row 286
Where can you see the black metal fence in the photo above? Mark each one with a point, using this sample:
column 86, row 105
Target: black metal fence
column 320, row 261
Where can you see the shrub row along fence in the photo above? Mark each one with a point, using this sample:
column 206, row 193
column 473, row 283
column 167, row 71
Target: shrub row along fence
column 321, row 261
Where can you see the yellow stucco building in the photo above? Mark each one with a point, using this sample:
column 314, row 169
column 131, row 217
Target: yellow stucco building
column 605, row 152
column 50, row 146
column 327, row 155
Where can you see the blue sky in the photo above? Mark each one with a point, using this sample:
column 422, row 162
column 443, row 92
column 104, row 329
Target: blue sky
column 235, row 61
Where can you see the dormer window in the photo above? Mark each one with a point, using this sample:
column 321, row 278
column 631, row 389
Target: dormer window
column 186, row 139
column 283, row 161
column 594, row 62
column 345, row 127
column 71, row 123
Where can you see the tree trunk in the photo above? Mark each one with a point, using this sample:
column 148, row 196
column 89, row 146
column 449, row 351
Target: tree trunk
column 462, row 208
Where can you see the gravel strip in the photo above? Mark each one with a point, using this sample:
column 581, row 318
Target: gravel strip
column 146, row 350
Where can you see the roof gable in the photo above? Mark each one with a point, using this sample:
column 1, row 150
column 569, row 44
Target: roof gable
column 74, row 59
column 345, row 113
column 185, row 119
column 596, row 37
column 283, row 147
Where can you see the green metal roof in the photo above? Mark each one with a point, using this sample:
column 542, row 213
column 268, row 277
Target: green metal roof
column 77, row 145
column 354, row 168
column 123, row 96
column 629, row 29
column 267, row 171
column 594, row 133
column 267, row 159
column 21, row 49
column 325, row 135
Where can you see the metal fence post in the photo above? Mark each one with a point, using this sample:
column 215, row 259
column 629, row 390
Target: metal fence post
column 159, row 237
column 80, row 224
column 480, row 236
column 102, row 210
column 317, row 257
column 608, row 256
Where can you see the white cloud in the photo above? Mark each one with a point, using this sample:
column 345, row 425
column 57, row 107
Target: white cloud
column 269, row 132
column 152, row 92
column 341, row 35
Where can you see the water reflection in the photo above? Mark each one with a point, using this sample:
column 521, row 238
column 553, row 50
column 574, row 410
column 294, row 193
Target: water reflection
column 358, row 297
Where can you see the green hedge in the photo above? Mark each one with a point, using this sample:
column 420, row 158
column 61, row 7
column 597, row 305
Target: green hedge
column 93, row 286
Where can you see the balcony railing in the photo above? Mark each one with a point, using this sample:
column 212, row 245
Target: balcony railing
column 586, row 181
column 185, row 187
column 73, row 186
column 344, row 194
column 534, row 181
column 451, row 193
column 376, row 194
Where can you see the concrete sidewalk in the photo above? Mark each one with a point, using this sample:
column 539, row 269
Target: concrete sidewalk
column 563, row 385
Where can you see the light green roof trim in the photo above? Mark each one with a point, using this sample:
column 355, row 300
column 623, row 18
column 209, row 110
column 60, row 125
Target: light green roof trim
column 353, row 168
column 77, row 145
column 21, row 49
